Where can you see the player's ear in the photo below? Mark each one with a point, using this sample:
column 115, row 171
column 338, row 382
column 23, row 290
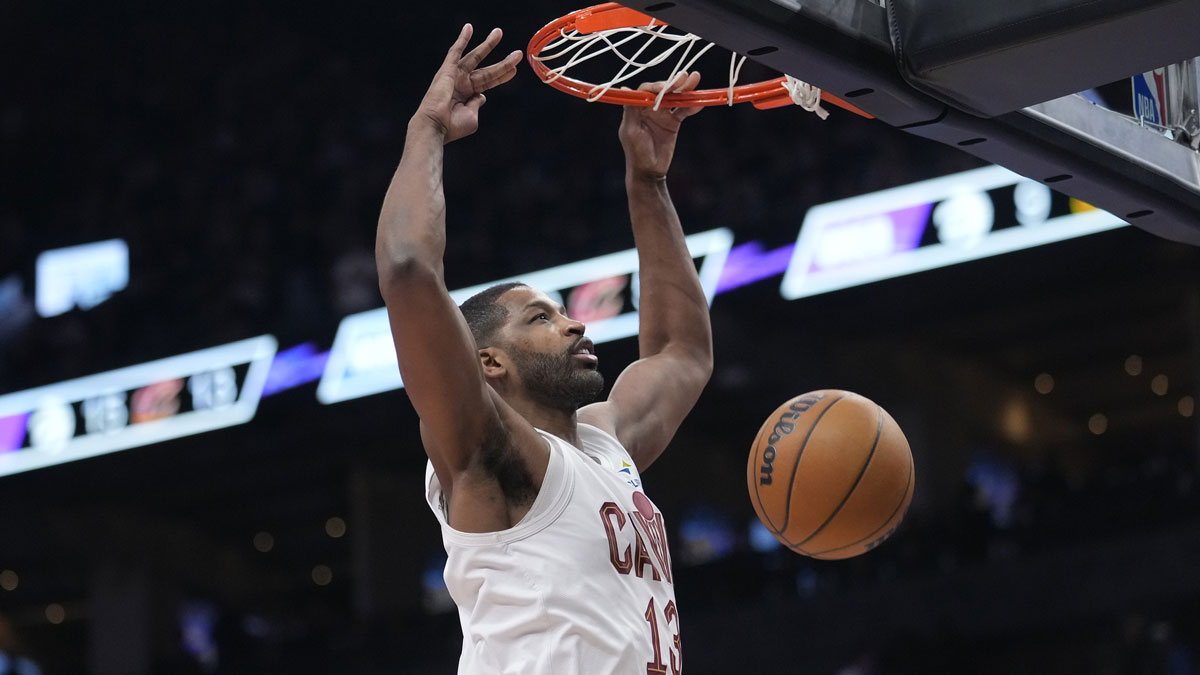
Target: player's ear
column 493, row 361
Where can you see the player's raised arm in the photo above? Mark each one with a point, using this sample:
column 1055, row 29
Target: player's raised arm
column 437, row 355
column 412, row 224
column 653, row 395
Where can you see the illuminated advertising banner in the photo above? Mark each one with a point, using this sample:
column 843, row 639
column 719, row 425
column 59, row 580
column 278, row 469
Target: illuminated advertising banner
column 931, row 224
column 850, row 242
column 602, row 292
column 134, row 406
column 80, row 276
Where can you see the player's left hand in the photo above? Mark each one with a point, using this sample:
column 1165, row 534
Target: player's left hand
column 648, row 135
column 454, row 98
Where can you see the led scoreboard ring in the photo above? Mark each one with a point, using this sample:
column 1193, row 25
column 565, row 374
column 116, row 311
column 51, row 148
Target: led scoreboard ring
column 134, row 406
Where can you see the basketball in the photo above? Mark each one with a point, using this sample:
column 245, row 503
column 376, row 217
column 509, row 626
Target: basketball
column 830, row 474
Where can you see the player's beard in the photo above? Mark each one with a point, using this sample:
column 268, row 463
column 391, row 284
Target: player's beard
column 557, row 381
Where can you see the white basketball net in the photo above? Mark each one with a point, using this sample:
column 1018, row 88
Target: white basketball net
column 578, row 47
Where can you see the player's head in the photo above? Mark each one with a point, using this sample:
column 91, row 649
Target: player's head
column 484, row 313
column 525, row 339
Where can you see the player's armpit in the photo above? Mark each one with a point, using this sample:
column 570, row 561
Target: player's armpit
column 496, row 490
column 460, row 414
column 649, row 401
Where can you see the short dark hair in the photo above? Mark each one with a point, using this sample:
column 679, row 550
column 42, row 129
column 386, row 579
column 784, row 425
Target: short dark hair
column 484, row 313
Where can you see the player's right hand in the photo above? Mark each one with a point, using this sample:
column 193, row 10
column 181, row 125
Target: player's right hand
column 456, row 94
column 648, row 135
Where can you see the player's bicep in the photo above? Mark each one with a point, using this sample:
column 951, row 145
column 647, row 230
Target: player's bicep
column 439, row 365
column 647, row 404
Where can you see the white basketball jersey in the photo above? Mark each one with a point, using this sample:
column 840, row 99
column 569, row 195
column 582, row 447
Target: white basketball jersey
column 581, row 586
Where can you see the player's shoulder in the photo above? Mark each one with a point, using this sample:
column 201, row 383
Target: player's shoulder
column 597, row 440
column 600, row 415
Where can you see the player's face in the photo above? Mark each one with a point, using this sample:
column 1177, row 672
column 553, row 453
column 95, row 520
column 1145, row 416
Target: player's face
column 553, row 359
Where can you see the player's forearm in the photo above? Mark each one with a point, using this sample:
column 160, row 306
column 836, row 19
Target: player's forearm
column 672, row 307
column 412, row 222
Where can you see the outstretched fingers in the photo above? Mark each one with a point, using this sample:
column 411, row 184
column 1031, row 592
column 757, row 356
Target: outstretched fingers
column 464, row 37
column 481, row 50
column 497, row 73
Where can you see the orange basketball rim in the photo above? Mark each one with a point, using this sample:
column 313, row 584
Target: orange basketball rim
column 599, row 22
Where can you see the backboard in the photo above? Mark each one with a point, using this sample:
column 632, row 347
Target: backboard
column 997, row 80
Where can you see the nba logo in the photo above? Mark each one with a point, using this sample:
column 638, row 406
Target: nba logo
column 1149, row 97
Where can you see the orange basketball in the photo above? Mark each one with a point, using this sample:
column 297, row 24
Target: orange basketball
column 830, row 474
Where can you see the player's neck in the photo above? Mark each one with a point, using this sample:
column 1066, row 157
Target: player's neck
column 561, row 423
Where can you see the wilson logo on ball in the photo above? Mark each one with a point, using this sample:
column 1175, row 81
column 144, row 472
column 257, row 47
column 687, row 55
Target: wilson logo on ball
column 783, row 426
column 846, row 475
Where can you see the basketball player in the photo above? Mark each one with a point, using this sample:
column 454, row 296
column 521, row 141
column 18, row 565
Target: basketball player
column 557, row 560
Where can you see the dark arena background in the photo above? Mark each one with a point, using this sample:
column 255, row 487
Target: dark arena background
column 207, row 464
